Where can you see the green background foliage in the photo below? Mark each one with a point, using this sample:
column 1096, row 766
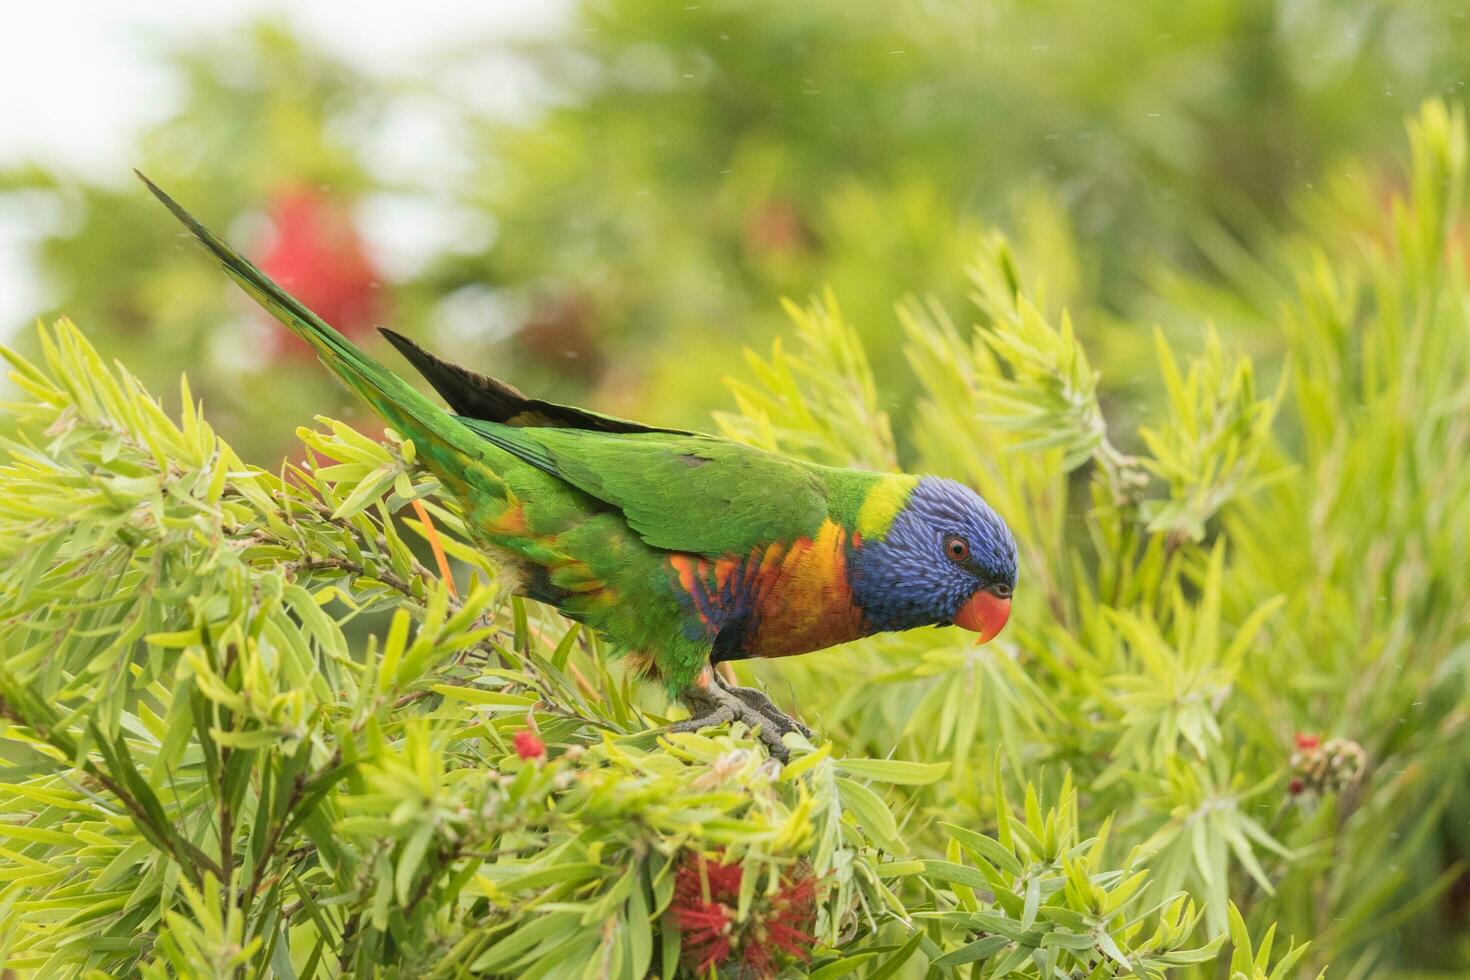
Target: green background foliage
column 1169, row 287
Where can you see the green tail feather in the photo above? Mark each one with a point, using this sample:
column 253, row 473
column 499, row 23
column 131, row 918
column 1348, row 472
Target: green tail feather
column 395, row 400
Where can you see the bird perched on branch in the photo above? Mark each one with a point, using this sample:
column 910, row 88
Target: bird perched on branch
column 682, row 549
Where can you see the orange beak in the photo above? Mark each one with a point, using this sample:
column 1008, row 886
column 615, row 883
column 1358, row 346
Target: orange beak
column 985, row 613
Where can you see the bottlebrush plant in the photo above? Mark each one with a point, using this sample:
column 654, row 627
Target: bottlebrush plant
column 248, row 733
column 245, row 731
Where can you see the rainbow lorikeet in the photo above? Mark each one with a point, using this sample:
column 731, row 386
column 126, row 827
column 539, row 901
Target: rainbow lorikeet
column 682, row 549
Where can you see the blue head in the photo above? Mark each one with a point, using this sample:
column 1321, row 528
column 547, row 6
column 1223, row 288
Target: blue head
column 946, row 558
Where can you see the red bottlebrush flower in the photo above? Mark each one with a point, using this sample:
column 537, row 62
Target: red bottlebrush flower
column 706, row 899
column 1307, row 742
column 319, row 257
column 706, row 927
column 528, row 746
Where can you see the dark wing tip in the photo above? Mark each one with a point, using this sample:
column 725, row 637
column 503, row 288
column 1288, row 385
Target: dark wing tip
column 479, row 396
column 408, row 348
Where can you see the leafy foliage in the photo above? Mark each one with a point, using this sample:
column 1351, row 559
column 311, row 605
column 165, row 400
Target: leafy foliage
column 1210, row 601
column 247, row 732
column 611, row 209
column 262, row 119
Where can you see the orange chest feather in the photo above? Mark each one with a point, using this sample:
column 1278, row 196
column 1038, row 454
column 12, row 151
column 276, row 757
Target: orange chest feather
column 778, row 600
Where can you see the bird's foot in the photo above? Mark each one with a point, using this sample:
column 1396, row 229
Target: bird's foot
column 757, row 699
column 715, row 704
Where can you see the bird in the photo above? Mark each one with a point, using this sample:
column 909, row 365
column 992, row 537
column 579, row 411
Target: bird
column 684, row 550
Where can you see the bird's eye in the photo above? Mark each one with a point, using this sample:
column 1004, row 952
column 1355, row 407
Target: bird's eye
column 956, row 547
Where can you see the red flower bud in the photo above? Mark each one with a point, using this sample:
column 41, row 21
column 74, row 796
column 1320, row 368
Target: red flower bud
column 1307, row 742
column 1297, row 786
column 528, row 746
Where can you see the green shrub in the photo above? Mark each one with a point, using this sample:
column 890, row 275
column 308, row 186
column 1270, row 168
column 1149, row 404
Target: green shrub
column 247, row 733
column 251, row 735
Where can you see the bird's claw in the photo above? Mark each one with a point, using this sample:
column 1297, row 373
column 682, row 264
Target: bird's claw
column 757, row 700
column 717, row 704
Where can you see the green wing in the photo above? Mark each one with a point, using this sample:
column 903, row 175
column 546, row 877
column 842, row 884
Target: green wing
column 689, row 493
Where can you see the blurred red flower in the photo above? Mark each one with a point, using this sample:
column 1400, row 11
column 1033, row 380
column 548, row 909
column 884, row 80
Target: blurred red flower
column 528, row 746
column 318, row 256
column 777, row 926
